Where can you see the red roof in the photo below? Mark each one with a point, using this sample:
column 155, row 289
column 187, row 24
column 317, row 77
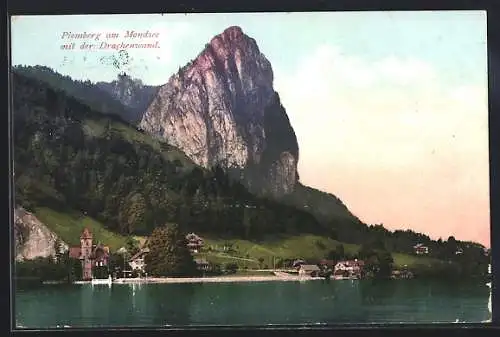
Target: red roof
column 74, row 252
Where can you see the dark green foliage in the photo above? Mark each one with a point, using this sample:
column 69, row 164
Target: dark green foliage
column 231, row 268
column 337, row 254
column 378, row 263
column 75, row 269
column 117, row 264
column 100, row 272
column 49, row 269
column 132, row 246
column 169, row 255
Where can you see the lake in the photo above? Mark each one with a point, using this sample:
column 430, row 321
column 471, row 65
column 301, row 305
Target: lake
column 258, row 303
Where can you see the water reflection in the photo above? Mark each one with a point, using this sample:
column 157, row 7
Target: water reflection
column 257, row 303
column 169, row 305
column 375, row 292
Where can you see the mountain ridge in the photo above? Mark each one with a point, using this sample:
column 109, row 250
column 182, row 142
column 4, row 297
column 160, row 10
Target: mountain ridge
column 124, row 97
column 80, row 169
column 101, row 160
column 219, row 109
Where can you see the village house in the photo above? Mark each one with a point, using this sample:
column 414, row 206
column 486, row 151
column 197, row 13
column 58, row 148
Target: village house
column 349, row 268
column 202, row 264
column 309, row 270
column 90, row 255
column 195, row 243
column 297, row 263
column 420, row 249
column 136, row 262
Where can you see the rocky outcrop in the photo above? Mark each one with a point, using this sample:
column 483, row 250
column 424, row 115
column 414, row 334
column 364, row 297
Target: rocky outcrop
column 221, row 109
column 32, row 238
column 132, row 93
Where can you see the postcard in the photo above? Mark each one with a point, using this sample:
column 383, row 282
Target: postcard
column 251, row 169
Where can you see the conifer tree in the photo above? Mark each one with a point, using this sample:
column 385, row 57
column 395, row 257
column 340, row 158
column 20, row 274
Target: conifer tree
column 168, row 253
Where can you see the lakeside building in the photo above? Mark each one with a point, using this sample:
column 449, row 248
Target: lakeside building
column 195, row 243
column 349, row 268
column 202, row 264
column 136, row 262
column 420, row 249
column 91, row 255
column 309, row 270
column 297, row 263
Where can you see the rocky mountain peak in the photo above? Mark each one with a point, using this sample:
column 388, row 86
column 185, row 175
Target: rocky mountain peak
column 130, row 92
column 232, row 42
column 221, row 109
column 232, row 33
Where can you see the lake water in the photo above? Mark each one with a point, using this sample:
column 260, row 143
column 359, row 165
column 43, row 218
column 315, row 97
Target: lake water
column 259, row 303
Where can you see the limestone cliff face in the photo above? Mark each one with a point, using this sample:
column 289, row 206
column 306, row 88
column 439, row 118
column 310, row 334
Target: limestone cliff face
column 32, row 238
column 221, row 109
column 132, row 93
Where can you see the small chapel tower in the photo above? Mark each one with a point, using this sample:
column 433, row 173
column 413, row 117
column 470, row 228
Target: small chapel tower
column 86, row 253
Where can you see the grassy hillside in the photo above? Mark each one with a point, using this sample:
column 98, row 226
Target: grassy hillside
column 69, row 225
column 247, row 253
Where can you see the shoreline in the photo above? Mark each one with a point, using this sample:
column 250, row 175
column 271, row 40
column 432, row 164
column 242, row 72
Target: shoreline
column 216, row 279
column 210, row 279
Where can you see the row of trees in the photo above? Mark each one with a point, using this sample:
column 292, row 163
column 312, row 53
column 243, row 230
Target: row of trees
column 60, row 267
column 378, row 263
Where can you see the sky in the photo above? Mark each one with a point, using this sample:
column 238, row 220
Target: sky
column 390, row 108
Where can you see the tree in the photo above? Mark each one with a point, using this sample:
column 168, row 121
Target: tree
column 134, row 210
column 378, row 263
column 169, row 254
column 451, row 247
column 116, row 263
column 231, row 268
column 385, row 262
column 132, row 246
column 247, row 223
column 336, row 254
column 365, row 252
column 261, row 261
